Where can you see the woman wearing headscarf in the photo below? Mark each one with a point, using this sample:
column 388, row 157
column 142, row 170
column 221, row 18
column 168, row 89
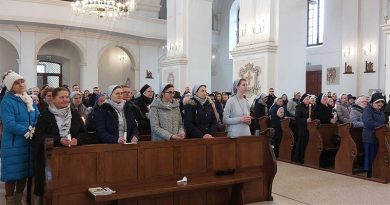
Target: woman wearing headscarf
column 258, row 110
column 114, row 121
column 165, row 117
column 302, row 118
column 19, row 116
column 357, row 111
column 64, row 125
column 76, row 103
column 343, row 109
column 277, row 113
column 236, row 115
column 373, row 117
column 199, row 117
column 142, row 103
column 322, row 111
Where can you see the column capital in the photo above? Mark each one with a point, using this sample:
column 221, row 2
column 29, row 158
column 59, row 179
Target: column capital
column 172, row 61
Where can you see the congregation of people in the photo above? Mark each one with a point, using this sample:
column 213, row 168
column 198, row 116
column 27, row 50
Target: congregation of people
column 121, row 115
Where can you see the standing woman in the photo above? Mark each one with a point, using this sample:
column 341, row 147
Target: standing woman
column 302, row 118
column 114, row 120
column 142, row 102
column 165, row 116
column 236, row 115
column 199, row 117
column 373, row 117
column 18, row 115
column 46, row 98
column 219, row 105
column 64, row 125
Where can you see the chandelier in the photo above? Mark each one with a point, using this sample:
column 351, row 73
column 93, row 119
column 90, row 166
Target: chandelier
column 104, row 8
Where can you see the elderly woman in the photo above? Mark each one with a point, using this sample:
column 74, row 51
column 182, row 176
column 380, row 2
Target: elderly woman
column 115, row 123
column 18, row 115
column 236, row 115
column 77, row 104
column 64, row 125
column 199, row 117
column 323, row 112
column 373, row 117
column 277, row 113
column 165, row 117
column 357, row 111
column 142, row 103
column 343, row 109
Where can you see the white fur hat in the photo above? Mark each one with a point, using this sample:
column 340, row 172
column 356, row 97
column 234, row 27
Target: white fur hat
column 10, row 79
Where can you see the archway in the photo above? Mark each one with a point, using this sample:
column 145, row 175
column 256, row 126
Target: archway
column 116, row 66
column 8, row 57
column 65, row 53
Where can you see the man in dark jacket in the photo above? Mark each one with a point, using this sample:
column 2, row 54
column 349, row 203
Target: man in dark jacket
column 91, row 100
column 199, row 117
column 271, row 98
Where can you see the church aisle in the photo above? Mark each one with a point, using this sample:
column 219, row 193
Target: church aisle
column 295, row 184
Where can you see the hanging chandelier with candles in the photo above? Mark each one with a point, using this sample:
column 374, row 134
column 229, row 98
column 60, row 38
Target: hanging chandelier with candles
column 104, row 8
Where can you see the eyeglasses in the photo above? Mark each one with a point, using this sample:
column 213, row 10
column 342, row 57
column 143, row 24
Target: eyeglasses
column 169, row 92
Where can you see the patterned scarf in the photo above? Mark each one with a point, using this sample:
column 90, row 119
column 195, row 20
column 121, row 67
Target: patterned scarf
column 63, row 118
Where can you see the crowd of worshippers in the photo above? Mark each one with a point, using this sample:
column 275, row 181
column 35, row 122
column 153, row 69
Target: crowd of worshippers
column 120, row 115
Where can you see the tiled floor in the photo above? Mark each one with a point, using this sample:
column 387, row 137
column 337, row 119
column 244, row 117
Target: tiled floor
column 297, row 185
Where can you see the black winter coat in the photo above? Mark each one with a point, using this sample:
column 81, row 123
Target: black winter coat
column 275, row 120
column 141, row 107
column 323, row 113
column 199, row 120
column 301, row 115
column 107, row 124
column 46, row 127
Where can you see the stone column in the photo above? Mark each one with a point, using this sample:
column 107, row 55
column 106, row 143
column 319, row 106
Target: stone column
column 188, row 60
column 27, row 59
column 254, row 57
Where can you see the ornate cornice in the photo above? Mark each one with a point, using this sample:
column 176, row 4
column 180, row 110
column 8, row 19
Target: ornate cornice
column 243, row 49
column 173, row 61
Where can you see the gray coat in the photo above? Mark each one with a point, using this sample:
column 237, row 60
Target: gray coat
column 291, row 106
column 165, row 120
column 356, row 116
column 343, row 112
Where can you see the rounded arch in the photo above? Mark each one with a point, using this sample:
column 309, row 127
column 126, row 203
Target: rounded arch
column 11, row 41
column 78, row 45
column 234, row 25
column 126, row 49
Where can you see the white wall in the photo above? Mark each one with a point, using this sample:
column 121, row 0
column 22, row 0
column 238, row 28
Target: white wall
column 8, row 57
column 148, row 61
column 114, row 71
column 222, row 78
column 292, row 48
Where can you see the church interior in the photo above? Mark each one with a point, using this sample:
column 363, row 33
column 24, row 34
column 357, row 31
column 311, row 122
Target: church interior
column 331, row 49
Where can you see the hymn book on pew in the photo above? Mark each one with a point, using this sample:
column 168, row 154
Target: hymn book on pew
column 99, row 191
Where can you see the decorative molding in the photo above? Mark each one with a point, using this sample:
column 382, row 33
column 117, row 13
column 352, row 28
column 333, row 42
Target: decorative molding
column 172, row 61
column 254, row 48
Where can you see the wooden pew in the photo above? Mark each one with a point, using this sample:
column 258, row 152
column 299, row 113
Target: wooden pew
column 146, row 173
column 351, row 147
column 381, row 163
column 264, row 123
column 287, row 142
column 320, row 140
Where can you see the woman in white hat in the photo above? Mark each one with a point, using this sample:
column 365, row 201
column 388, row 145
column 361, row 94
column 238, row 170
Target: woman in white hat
column 19, row 115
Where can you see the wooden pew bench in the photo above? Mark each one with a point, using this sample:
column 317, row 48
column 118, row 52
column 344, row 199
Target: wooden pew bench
column 146, row 173
column 320, row 141
column 351, row 148
column 381, row 163
column 264, row 123
column 287, row 142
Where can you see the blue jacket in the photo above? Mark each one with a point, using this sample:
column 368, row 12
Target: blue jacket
column 107, row 124
column 16, row 150
column 371, row 120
